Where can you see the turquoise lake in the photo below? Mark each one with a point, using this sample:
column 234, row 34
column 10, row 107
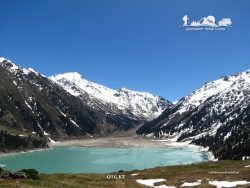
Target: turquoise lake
column 70, row 159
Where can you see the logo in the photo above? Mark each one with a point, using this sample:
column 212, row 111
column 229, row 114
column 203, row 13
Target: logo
column 206, row 24
column 116, row 176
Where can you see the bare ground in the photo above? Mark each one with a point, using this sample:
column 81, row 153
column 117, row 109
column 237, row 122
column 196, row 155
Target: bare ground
column 118, row 139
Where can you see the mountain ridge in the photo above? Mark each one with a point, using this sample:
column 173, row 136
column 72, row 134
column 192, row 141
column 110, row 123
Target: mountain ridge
column 32, row 105
column 142, row 104
column 216, row 116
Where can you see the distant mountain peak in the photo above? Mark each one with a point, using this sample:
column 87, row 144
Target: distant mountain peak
column 70, row 76
column 140, row 104
column 142, row 93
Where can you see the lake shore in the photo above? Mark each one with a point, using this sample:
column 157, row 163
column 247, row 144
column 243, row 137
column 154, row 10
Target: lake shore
column 112, row 142
column 128, row 141
column 175, row 176
column 123, row 139
column 24, row 151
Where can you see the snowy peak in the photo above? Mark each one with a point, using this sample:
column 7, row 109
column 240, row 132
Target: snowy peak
column 38, row 104
column 73, row 82
column 71, row 76
column 8, row 64
column 135, row 93
column 13, row 68
column 217, row 116
column 138, row 104
column 209, row 89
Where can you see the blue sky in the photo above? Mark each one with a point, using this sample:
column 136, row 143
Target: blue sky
column 136, row 44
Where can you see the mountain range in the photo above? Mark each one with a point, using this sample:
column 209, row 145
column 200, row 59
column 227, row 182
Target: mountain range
column 216, row 116
column 67, row 106
column 35, row 109
column 124, row 102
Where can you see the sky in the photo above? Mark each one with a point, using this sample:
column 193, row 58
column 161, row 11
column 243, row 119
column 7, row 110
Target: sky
column 136, row 44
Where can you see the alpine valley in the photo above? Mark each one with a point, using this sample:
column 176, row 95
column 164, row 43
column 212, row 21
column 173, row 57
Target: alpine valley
column 35, row 110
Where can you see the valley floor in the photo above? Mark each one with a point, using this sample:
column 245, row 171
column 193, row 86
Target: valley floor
column 176, row 176
column 127, row 138
column 112, row 142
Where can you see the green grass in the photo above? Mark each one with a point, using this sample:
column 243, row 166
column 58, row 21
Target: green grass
column 174, row 175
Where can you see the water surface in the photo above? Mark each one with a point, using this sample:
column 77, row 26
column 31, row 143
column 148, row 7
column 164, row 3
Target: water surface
column 71, row 159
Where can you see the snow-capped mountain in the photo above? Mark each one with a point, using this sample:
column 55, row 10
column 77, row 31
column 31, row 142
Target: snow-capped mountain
column 134, row 104
column 15, row 69
column 216, row 116
column 36, row 106
column 31, row 104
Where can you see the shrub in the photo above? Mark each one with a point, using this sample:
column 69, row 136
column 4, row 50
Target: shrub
column 31, row 173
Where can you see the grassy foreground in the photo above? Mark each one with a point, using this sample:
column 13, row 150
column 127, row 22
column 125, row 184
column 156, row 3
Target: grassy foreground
column 175, row 175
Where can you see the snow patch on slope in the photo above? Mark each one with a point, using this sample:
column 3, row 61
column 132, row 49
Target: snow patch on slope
column 220, row 184
column 212, row 88
column 142, row 104
column 13, row 68
column 191, row 184
column 151, row 182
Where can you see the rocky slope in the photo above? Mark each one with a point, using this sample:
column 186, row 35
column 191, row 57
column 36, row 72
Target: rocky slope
column 35, row 107
column 216, row 116
column 30, row 102
column 133, row 104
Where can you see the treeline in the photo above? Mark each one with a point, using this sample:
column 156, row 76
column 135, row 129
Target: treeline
column 11, row 142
